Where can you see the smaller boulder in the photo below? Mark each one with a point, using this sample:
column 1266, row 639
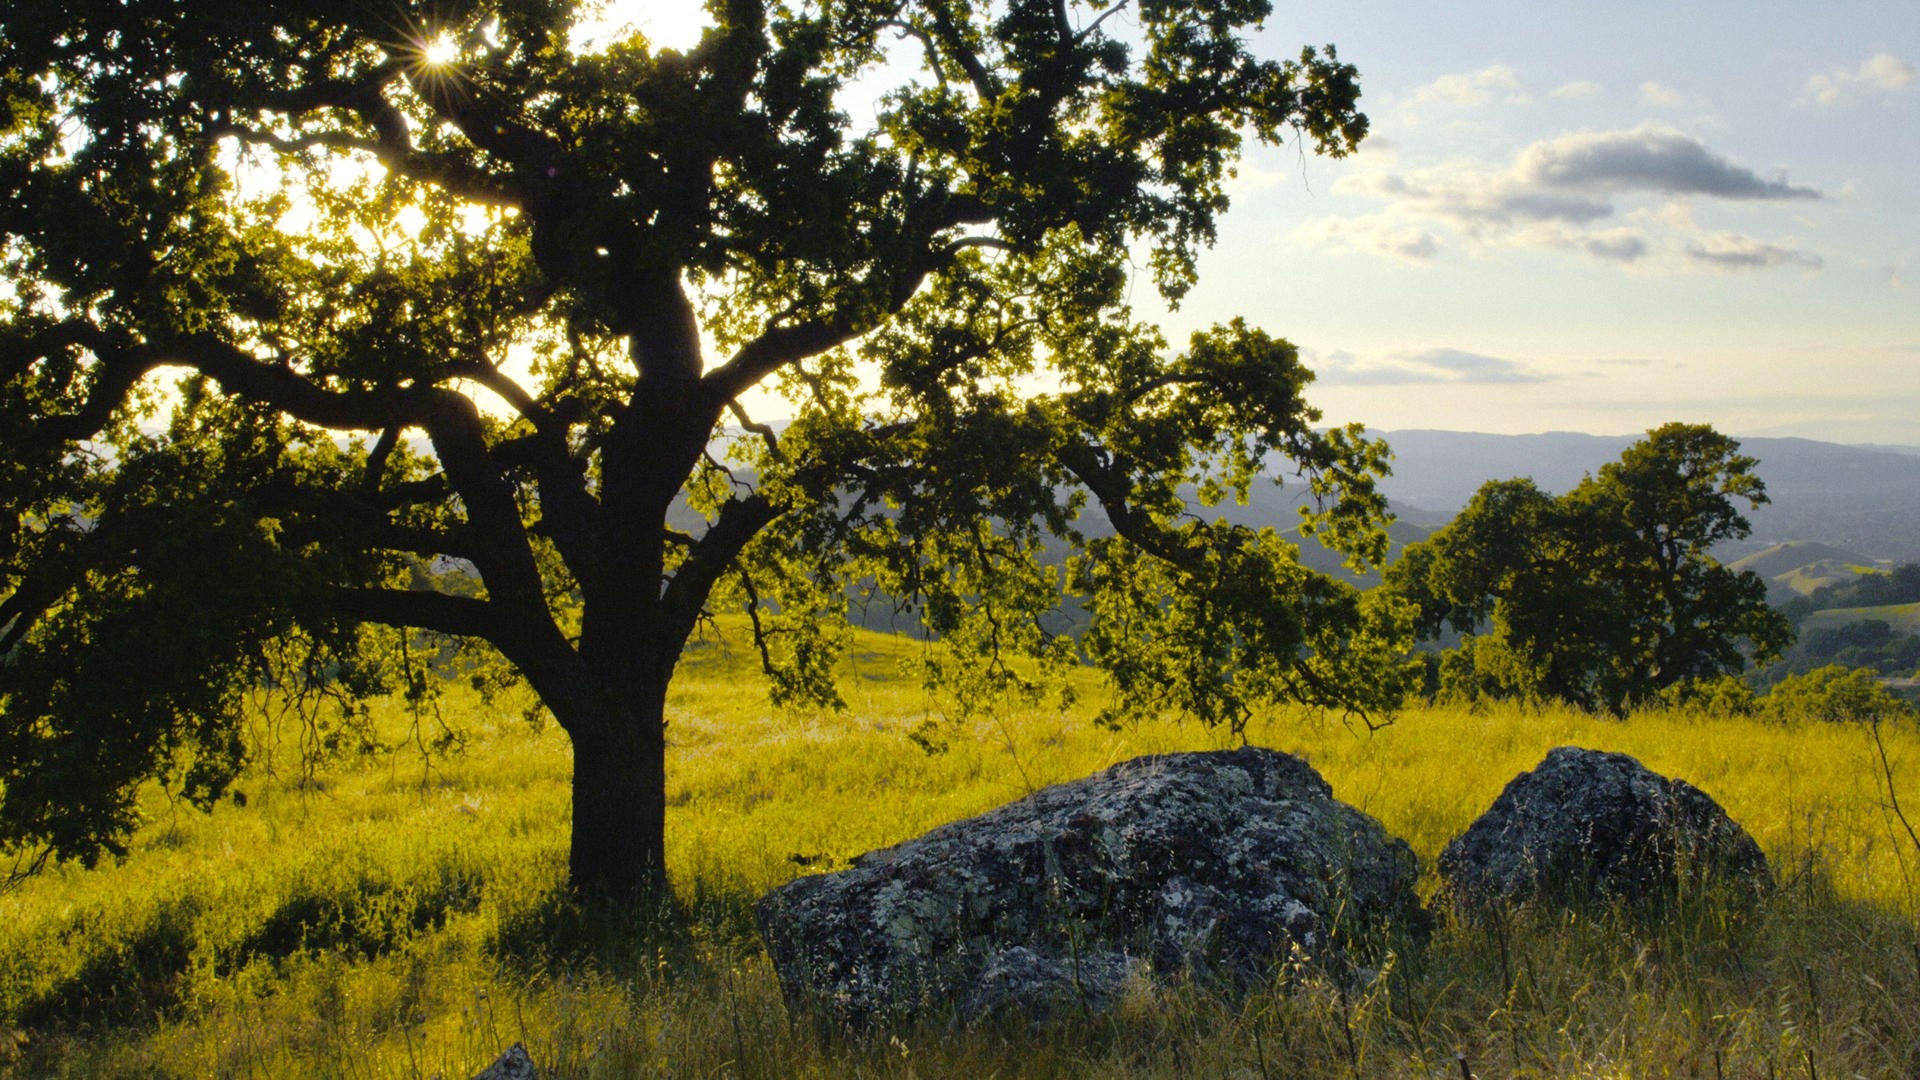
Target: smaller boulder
column 1586, row 827
column 514, row 1064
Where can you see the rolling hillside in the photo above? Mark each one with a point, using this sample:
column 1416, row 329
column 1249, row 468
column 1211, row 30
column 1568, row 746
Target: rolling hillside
column 1798, row 567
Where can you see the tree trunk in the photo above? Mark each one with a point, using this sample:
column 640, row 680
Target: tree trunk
column 620, row 801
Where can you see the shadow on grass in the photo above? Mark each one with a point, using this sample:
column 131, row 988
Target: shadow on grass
column 126, row 981
column 131, row 976
column 559, row 932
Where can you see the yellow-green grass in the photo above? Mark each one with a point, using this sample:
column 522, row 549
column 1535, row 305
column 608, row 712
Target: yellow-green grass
column 1904, row 618
column 388, row 916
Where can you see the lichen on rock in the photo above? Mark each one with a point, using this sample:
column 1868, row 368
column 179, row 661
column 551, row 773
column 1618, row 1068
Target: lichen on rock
column 1208, row 866
column 1592, row 827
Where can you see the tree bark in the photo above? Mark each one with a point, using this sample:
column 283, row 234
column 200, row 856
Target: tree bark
column 619, row 799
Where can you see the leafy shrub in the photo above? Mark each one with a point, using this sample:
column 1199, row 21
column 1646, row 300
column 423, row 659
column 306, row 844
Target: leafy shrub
column 1719, row 698
column 1837, row 695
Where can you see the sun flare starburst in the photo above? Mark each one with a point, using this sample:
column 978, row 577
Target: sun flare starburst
column 439, row 50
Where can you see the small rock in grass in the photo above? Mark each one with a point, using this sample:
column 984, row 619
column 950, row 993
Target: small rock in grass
column 514, row 1064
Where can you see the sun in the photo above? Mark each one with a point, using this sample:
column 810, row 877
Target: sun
column 439, row 50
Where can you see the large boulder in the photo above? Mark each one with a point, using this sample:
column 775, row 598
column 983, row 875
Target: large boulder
column 1206, row 865
column 1587, row 826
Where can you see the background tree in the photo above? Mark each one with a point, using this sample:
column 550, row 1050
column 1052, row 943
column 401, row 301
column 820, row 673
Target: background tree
column 1607, row 595
column 1835, row 694
column 349, row 224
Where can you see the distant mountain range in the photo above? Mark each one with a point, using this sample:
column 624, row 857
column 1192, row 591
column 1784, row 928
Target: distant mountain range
column 1862, row 500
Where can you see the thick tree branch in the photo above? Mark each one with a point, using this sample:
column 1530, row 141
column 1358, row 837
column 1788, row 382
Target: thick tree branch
column 686, row 595
column 1112, row 489
column 766, row 432
column 782, row 344
column 365, row 97
column 461, row 616
column 992, row 243
column 426, row 491
column 31, row 599
column 119, row 369
column 499, row 544
column 492, row 378
column 451, row 422
column 280, row 387
column 569, row 513
column 501, row 549
column 927, row 46
column 496, row 134
column 470, row 184
column 377, row 458
column 774, row 349
column 954, row 44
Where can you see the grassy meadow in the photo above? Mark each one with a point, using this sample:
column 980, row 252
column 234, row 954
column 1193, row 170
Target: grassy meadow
column 396, row 915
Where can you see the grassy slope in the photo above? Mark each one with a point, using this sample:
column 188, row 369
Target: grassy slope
column 1904, row 618
column 1799, row 567
column 1784, row 559
column 387, row 918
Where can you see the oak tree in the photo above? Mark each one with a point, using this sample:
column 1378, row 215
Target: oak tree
column 327, row 314
column 1608, row 595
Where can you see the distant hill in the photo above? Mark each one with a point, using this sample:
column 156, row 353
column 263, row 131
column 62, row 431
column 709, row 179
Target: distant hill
column 1794, row 555
column 1863, row 499
column 1798, row 567
column 1902, row 618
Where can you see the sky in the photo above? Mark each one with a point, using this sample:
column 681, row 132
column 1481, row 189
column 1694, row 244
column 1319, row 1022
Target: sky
column 1589, row 217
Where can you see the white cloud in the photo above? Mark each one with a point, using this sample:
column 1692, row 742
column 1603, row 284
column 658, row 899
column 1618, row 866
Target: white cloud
column 1575, row 180
column 1582, row 89
column 1490, row 84
column 1649, row 158
column 1617, row 196
column 1424, row 367
column 1375, row 233
column 1881, row 73
column 1473, row 197
column 1885, row 71
column 1729, row 251
column 1661, row 97
column 1468, row 367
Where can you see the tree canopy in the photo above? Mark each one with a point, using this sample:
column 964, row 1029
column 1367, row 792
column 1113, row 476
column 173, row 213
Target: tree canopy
column 1605, row 596
column 321, row 316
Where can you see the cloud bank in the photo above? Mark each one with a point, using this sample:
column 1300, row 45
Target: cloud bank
column 1649, row 158
column 1571, row 193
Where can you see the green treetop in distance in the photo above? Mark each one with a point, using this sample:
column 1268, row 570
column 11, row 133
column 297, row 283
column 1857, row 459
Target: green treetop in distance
column 344, row 221
column 1606, row 596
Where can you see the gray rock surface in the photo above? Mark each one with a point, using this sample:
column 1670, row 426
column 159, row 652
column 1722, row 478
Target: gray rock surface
column 514, row 1064
column 1205, row 865
column 1587, row 826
